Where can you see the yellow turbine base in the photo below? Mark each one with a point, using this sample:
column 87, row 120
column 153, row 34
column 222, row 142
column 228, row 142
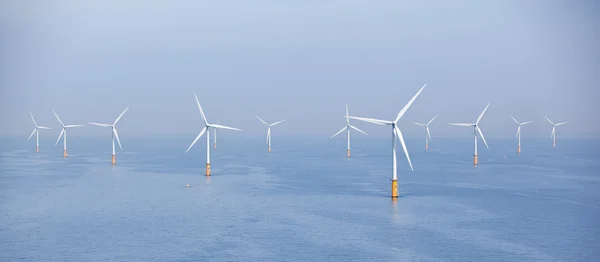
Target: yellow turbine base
column 475, row 160
column 65, row 153
column 37, row 149
column 426, row 146
column 215, row 145
column 114, row 160
column 207, row 169
column 269, row 149
column 348, row 153
column 394, row 189
column 519, row 149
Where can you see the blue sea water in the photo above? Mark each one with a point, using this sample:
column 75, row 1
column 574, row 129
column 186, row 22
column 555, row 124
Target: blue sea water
column 305, row 201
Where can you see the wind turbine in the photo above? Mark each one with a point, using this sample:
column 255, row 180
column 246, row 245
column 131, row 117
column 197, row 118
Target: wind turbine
column 395, row 131
column 347, row 128
column 477, row 130
column 36, row 131
column 553, row 135
column 63, row 131
column 427, row 134
column 269, row 131
column 206, row 129
column 215, row 142
column 519, row 132
column 114, row 134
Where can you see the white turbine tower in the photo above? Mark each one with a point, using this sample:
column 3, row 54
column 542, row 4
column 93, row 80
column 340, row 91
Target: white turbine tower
column 519, row 132
column 553, row 135
column 37, row 132
column 269, row 131
column 427, row 133
column 347, row 128
column 114, row 134
column 63, row 132
column 206, row 130
column 476, row 131
column 395, row 132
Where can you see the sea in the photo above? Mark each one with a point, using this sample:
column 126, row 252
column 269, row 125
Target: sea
column 304, row 201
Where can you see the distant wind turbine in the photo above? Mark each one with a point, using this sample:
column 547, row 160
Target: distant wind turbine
column 63, row 132
column 347, row 128
column 114, row 134
column 427, row 133
column 519, row 132
column 206, row 130
column 553, row 135
column 476, row 130
column 36, row 131
column 395, row 132
column 269, row 131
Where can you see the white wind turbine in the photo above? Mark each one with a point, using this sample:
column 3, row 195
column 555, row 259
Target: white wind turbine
column 347, row 128
column 519, row 132
column 395, row 132
column 477, row 130
column 114, row 134
column 553, row 135
column 63, row 132
column 269, row 131
column 216, row 130
column 206, row 130
column 427, row 133
column 37, row 132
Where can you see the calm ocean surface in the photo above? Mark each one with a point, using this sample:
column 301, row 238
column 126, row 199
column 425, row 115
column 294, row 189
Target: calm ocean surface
column 303, row 202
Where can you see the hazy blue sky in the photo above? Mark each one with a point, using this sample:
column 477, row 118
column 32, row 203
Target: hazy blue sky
column 300, row 61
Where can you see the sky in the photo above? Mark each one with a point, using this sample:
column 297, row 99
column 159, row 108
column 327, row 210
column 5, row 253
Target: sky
column 299, row 61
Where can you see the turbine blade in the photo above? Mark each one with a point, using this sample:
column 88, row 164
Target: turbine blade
column 482, row 137
column 514, row 119
column 372, row 120
column 481, row 116
column 353, row 127
column 32, row 134
column 59, row 136
column 225, row 127
column 549, row 120
column 32, row 119
column 347, row 119
column 401, row 138
column 341, row 130
column 560, row 124
column 68, row 126
column 96, row 124
column 461, row 124
column 419, row 124
column 117, row 136
column 43, row 127
column 401, row 113
column 262, row 121
column 428, row 134
column 525, row 123
column 61, row 123
column 553, row 132
column 196, row 140
column 201, row 111
column 277, row 122
column 432, row 119
column 119, row 118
